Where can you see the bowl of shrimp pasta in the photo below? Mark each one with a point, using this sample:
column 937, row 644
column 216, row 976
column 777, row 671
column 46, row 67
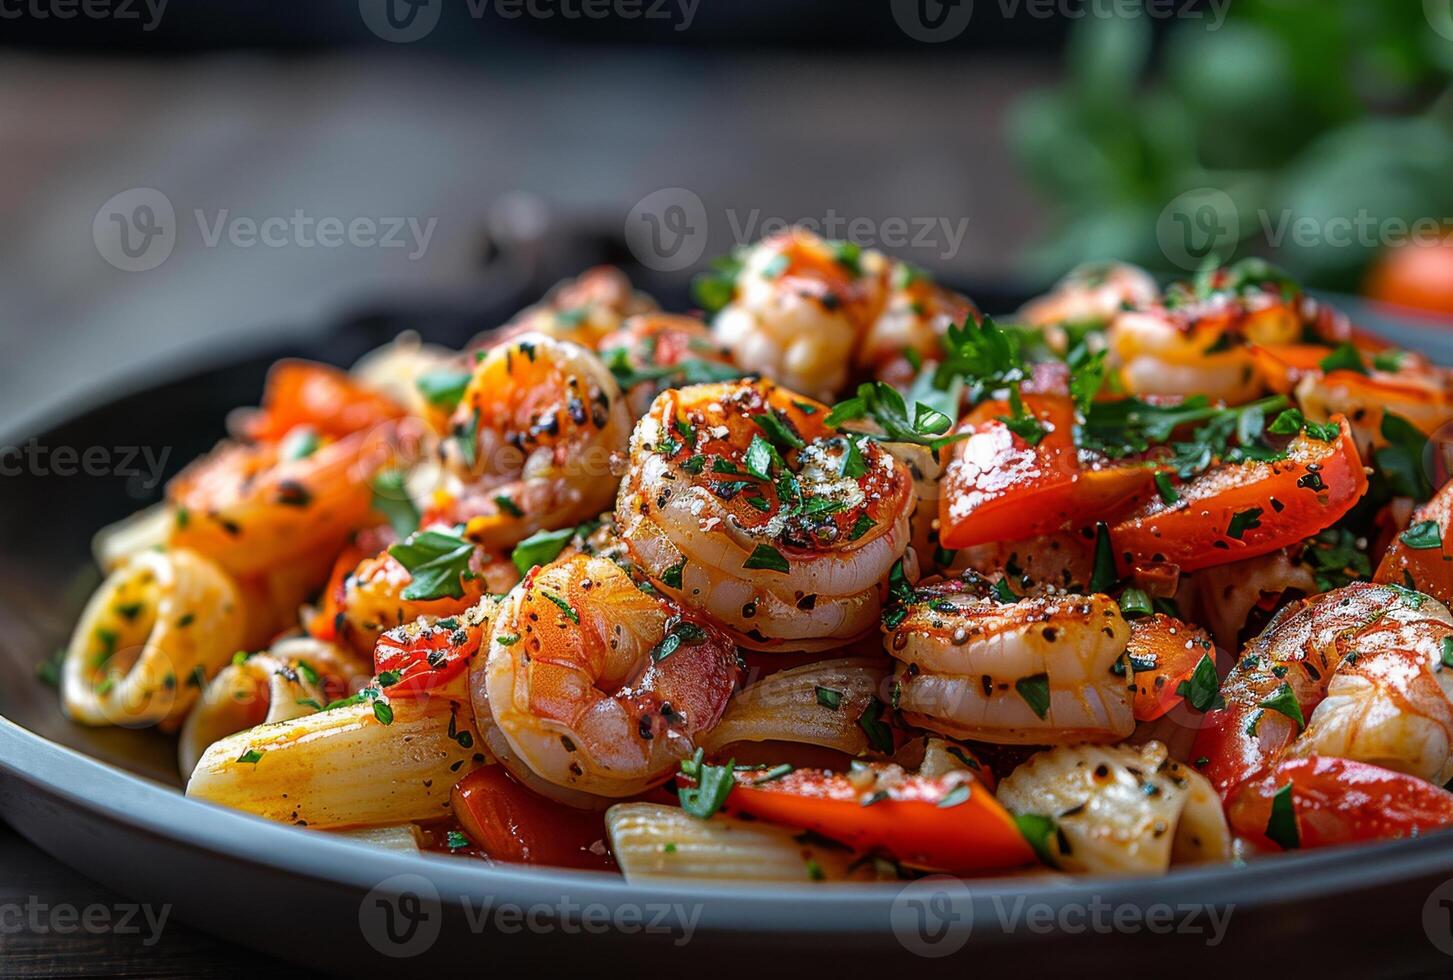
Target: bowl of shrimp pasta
column 825, row 603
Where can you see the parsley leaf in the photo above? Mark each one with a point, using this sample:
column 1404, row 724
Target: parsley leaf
column 1034, row 689
column 1281, row 826
column 883, row 404
column 540, row 548
column 443, row 388
column 391, row 499
column 880, row 736
column 1400, row 462
column 768, row 557
column 1344, row 358
column 1284, row 701
column 1243, row 521
column 1203, row 690
column 1103, row 576
column 436, row 563
column 713, row 785
column 1423, row 536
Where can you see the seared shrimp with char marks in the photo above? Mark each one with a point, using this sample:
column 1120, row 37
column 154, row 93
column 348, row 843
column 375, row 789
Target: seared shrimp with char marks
column 740, row 500
column 1035, row 671
column 909, row 332
column 592, row 685
column 531, row 441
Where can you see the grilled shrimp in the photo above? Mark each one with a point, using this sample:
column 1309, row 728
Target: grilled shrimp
column 251, row 508
column 592, row 685
column 1119, row 809
column 916, row 315
column 1037, row 671
column 580, row 310
column 799, row 309
column 1419, row 392
column 1089, row 295
column 736, row 503
column 1355, row 673
column 1198, row 340
column 655, row 351
column 531, row 442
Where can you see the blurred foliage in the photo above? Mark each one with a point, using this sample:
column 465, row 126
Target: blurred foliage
column 1315, row 108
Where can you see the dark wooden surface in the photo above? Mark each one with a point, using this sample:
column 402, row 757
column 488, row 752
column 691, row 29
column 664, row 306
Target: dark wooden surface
column 35, row 888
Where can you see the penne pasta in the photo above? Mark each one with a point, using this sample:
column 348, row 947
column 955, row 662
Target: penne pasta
column 299, row 675
column 817, row 704
column 346, row 766
column 654, row 841
column 404, row 838
column 148, row 640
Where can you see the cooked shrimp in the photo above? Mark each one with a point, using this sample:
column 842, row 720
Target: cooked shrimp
column 532, row 441
column 908, row 333
column 1360, row 668
column 800, row 307
column 656, row 351
column 581, row 310
column 736, row 503
column 596, row 686
column 1418, row 392
column 1037, row 671
column 251, row 508
column 1120, row 809
column 1196, row 340
column 1090, row 295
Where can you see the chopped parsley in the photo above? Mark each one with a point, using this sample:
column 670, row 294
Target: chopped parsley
column 1281, row 826
column 1284, row 701
column 1423, row 536
column 1202, row 690
column 712, row 786
column 768, row 557
column 880, row 736
column 391, row 499
column 436, row 563
column 540, row 548
column 829, row 698
column 1034, row 689
column 443, row 388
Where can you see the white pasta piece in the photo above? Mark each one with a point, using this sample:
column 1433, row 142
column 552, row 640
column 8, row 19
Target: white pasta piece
column 148, row 640
column 144, row 530
column 395, row 369
column 1120, row 809
column 788, row 707
column 404, row 838
column 297, row 676
column 345, row 767
column 654, row 841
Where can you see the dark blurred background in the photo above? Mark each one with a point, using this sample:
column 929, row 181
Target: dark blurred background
column 185, row 175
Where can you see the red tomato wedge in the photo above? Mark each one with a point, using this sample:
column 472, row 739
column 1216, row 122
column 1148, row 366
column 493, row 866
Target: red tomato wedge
column 948, row 823
column 316, row 395
column 1428, row 568
column 1242, row 510
column 324, row 624
column 1336, row 801
column 1163, row 652
column 510, row 822
column 425, row 657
